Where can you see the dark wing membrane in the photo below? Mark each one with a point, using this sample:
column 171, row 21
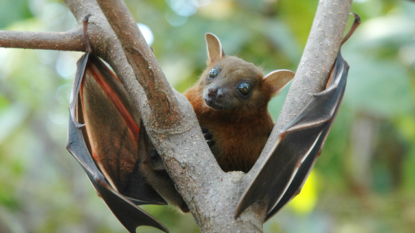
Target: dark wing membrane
column 113, row 127
column 112, row 135
column 287, row 166
column 297, row 183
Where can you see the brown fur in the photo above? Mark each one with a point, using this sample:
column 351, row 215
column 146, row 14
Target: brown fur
column 242, row 132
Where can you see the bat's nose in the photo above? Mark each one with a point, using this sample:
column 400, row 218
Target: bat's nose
column 212, row 91
column 215, row 93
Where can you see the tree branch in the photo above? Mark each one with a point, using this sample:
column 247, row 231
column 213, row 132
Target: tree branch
column 318, row 58
column 159, row 93
column 68, row 41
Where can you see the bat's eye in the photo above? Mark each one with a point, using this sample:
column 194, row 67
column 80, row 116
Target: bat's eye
column 213, row 73
column 244, row 88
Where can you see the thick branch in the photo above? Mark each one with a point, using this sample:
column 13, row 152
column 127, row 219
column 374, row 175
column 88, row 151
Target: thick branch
column 160, row 95
column 68, row 41
column 318, row 58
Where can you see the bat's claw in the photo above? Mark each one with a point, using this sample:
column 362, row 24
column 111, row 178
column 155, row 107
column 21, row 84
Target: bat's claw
column 79, row 125
column 155, row 157
column 210, row 142
column 204, row 130
column 208, row 137
column 74, row 118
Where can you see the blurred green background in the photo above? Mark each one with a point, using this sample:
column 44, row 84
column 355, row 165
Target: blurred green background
column 364, row 180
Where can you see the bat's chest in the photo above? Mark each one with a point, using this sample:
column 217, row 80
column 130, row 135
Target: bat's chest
column 237, row 146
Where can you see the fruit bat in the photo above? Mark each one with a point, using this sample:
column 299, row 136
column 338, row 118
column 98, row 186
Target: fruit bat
column 288, row 164
column 108, row 140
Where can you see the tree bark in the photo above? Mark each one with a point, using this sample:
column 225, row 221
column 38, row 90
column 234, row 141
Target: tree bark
column 211, row 194
column 68, row 41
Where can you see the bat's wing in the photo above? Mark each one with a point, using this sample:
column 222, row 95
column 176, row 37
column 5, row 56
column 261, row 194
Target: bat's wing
column 330, row 99
column 286, row 167
column 105, row 138
column 113, row 130
column 289, row 162
column 127, row 212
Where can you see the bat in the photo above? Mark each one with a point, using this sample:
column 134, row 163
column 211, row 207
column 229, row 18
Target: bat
column 287, row 166
column 231, row 104
column 109, row 141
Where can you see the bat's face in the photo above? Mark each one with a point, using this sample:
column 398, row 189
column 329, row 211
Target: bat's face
column 233, row 84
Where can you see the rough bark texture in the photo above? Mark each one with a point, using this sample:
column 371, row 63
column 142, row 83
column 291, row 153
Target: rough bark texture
column 318, row 58
column 158, row 91
column 211, row 194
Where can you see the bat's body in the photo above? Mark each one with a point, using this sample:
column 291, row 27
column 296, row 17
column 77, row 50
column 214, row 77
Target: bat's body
column 239, row 139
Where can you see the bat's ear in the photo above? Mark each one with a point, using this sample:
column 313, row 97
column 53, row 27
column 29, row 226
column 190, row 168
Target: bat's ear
column 214, row 48
column 278, row 79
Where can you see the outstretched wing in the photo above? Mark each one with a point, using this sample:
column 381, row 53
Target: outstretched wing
column 288, row 164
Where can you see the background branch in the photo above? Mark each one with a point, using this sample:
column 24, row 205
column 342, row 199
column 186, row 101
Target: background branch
column 68, row 41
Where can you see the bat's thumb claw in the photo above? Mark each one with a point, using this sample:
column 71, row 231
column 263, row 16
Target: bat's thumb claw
column 78, row 125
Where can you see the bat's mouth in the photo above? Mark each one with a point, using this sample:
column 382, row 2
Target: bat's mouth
column 212, row 104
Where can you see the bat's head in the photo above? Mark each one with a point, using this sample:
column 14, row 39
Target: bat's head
column 230, row 83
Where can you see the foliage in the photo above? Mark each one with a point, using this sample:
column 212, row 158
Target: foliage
column 363, row 180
